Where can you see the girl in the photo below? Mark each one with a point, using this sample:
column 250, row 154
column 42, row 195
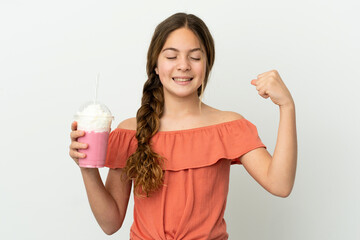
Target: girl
column 178, row 150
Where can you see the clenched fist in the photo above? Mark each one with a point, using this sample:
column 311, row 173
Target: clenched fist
column 270, row 84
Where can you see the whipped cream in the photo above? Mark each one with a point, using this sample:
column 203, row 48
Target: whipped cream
column 94, row 117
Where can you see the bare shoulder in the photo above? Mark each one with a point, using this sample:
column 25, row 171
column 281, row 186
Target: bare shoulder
column 223, row 116
column 129, row 123
column 228, row 116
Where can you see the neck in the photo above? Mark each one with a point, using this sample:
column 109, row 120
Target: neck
column 178, row 107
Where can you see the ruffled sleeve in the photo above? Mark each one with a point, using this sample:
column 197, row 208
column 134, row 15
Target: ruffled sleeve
column 189, row 148
column 200, row 147
column 121, row 145
column 244, row 141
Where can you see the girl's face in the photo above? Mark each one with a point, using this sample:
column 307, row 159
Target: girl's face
column 181, row 63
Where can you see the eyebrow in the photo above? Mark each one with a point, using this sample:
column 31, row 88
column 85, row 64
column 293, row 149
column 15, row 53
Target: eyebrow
column 177, row 50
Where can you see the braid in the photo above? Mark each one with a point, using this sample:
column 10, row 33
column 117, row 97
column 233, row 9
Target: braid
column 144, row 166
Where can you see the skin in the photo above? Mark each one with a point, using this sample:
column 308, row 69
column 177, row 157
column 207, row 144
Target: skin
column 274, row 173
column 182, row 56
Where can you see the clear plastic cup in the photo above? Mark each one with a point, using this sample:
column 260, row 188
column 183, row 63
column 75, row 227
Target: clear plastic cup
column 95, row 120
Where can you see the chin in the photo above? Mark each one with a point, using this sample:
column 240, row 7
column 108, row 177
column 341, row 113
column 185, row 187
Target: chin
column 182, row 94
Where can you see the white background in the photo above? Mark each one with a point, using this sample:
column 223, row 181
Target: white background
column 51, row 52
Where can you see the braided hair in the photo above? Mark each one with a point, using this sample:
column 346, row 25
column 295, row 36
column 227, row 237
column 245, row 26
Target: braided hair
column 145, row 166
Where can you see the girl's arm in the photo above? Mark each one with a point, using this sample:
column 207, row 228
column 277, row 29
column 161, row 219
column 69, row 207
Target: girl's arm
column 108, row 203
column 276, row 174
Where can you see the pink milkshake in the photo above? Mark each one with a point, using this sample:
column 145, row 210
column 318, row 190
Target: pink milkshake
column 95, row 119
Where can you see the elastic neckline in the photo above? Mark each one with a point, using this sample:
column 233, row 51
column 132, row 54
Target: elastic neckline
column 190, row 129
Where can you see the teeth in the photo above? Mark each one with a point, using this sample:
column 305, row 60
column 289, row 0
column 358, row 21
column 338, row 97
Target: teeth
column 182, row 79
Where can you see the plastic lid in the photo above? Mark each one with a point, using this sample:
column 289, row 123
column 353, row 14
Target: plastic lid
column 92, row 109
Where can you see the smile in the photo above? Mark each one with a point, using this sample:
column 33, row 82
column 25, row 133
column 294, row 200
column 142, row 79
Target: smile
column 182, row 79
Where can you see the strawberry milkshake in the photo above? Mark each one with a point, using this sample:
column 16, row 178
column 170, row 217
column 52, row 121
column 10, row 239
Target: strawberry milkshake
column 95, row 120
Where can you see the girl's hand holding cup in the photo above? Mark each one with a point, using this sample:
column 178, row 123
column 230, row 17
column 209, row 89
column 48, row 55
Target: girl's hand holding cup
column 75, row 145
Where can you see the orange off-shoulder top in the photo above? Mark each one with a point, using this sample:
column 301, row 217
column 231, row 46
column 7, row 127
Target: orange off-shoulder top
column 192, row 202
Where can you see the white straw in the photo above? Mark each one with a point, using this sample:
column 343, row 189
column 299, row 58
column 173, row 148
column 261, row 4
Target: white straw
column 96, row 87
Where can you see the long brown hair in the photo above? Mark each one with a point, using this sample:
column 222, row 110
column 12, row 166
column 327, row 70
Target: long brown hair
column 145, row 166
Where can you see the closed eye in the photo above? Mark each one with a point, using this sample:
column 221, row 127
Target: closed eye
column 170, row 57
column 196, row 59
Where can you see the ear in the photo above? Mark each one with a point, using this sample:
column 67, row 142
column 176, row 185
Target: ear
column 157, row 71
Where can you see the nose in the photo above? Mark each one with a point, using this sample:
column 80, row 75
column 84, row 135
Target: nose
column 184, row 64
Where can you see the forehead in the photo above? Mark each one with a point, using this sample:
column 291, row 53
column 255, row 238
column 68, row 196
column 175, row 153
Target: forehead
column 182, row 39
